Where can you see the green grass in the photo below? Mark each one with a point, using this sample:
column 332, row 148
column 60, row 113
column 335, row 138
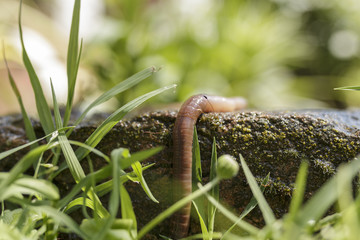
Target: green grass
column 41, row 213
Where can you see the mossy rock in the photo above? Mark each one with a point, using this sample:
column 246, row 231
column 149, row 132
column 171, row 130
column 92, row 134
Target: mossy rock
column 270, row 142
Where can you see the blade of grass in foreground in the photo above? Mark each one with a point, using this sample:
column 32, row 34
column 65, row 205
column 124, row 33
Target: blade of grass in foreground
column 73, row 59
column 21, row 167
column 317, row 205
column 249, row 207
column 61, row 218
column 213, row 192
column 41, row 104
column 71, row 160
column 114, row 118
column 30, row 133
column 13, row 150
column 264, row 206
column 75, row 168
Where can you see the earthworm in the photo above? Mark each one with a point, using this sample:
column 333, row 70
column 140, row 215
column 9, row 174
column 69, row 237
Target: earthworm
column 182, row 145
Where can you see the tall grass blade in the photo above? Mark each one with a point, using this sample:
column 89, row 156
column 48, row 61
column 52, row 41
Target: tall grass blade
column 298, row 194
column 30, row 133
column 41, row 104
column 73, row 59
column 75, row 168
column 114, row 118
column 264, row 206
column 197, row 174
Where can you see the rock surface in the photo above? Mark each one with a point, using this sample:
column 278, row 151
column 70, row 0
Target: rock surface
column 270, row 142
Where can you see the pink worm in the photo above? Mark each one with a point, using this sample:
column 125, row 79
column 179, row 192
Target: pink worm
column 183, row 140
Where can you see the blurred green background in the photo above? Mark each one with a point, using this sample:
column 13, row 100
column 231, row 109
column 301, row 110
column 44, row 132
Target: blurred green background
column 279, row 54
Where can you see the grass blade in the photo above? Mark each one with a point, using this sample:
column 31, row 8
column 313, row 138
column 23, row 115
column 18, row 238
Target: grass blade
column 127, row 210
column 61, row 218
column 124, row 85
column 41, row 104
column 196, row 159
column 298, row 195
column 327, row 194
column 75, row 168
column 21, row 167
column 30, row 133
column 73, row 59
column 353, row 88
column 204, row 230
column 215, row 191
column 264, row 206
column 114, row 118
column 249, row 207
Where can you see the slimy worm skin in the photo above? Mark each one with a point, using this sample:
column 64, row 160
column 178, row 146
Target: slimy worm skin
column 182, row 142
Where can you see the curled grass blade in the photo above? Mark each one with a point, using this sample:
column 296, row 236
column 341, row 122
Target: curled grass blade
column 41, row 104
column 114, row 118
column 30, row 186
column 138, row 170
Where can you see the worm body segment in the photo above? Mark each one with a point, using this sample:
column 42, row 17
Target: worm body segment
column 183, row 140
